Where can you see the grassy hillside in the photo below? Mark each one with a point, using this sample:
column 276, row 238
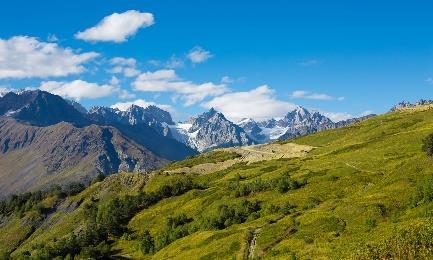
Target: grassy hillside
column 363, row 192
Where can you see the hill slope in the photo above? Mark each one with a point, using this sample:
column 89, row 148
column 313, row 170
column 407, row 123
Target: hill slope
column 33, row 157
column 363, row 192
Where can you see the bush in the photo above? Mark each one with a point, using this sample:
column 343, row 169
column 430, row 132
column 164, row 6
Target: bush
column 281, row 184
column 371, row 223
column 227, row 215
column 424, row 192
column 147, row 244
column 427, row 145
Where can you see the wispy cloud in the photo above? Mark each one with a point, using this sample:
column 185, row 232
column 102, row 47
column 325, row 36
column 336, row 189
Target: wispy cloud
column 310, row 62
column 168, row 81
column 117, row 27
column 125, row 66
column 429, row 80
column 198, row 55
column 302, row 94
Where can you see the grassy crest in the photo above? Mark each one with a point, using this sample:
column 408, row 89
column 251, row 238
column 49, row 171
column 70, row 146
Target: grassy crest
column 364, row 192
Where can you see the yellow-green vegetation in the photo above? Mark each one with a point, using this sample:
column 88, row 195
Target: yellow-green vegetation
column 364, row 192
column 211, row 157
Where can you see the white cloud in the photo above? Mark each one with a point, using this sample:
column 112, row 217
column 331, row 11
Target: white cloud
column 77, row 89
column 80, row 89
column 174, row 63
column 52, row 38
column 117, row 27
column 227, row 80
column 366, row 113
column 121, row 61
column 314, row 96
column 125, row 66
column 114, row 81
column 124, row 94
column 429, row 80
column 338, row 116
column 259, row 103
column 27, row 57
column 168, row 81
column 142, row 103
column 198, row 55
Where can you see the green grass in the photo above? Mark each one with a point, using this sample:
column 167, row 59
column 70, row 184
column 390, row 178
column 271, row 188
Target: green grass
column 211, row 157
column 365, row 194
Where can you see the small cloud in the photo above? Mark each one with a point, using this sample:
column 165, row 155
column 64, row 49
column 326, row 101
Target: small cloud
column 308, row 63
column 429, row 80
column 117, row 27
column 142, row 103
column 156, row 63
column 52, row 38
column 302, row 94
column 366, row 113
column 114, row 81
column 198, row 55
column 174, row 63
column 125, row 66
column 227, row 80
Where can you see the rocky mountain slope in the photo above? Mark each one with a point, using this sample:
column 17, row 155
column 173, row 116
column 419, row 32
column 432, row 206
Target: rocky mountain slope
column 33, row 157
column 46, row 140
column 210, row 130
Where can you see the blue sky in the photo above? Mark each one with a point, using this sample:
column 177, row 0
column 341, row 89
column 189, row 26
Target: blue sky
column 252, row 58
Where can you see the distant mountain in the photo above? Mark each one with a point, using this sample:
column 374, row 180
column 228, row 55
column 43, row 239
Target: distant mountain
column 406, row 104
column 210, row 130
column 351, row 121
column 46, row 140
column 40, row 108
column 148, row 126
column 34, row 157
column 295, row 123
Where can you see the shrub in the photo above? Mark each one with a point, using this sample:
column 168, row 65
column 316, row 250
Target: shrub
column 147, row 244
column 371, row 223
column 427, row 145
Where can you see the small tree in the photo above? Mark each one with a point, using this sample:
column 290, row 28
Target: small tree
column 428, row 145
column 147, row 244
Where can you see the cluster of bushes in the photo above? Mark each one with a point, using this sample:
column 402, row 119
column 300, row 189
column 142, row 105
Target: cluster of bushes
column 110, row 219
column 424, row 192
column 176, row 227
column 180, row 225
column 227, row 215
column 281, row 184
column 211, row 157
column 32, row 200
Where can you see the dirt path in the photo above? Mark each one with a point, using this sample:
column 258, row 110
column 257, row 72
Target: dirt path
column 255, row 151
column 357, row 168
column 253, row 243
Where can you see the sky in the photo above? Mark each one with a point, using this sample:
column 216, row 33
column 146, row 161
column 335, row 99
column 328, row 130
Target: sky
column 254, row 58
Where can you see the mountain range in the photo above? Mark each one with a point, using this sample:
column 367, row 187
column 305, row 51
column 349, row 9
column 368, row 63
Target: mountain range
column 45, row 139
